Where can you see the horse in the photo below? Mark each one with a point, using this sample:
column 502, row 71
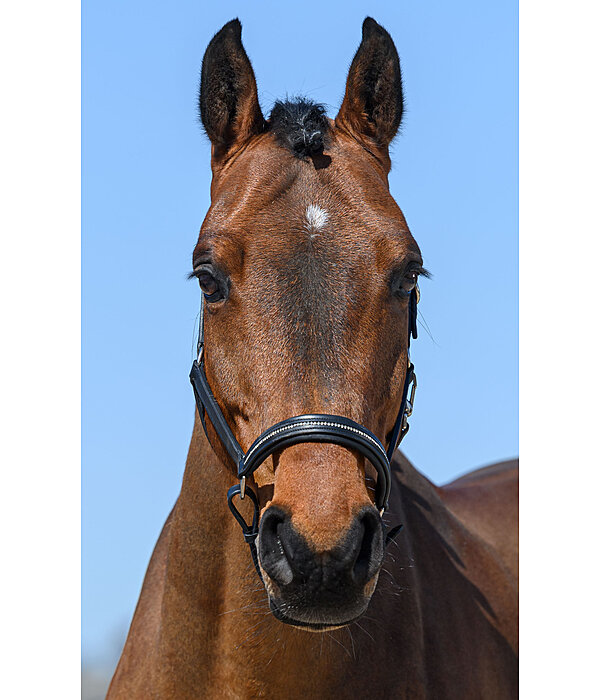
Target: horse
column 309, row 279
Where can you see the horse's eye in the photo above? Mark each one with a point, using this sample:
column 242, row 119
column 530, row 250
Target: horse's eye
column 410, row 280
column 407, row 283
column 210, row 285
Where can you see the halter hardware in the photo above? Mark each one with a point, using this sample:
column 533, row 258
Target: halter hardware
column 408, row 409
column 250, row 531
column 327, row 428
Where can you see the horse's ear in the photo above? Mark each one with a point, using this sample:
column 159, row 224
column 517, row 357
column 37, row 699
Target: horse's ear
column 373, row 103
column 228, row 99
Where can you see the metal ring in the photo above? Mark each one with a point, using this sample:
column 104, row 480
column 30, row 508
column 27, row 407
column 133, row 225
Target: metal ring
column 250, row 531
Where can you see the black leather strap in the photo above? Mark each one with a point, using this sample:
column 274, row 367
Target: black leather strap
column 318, row 427
column 205, row 401
column 412, row 314
column 401, row 426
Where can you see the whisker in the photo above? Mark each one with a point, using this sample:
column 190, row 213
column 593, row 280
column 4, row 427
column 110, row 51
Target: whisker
column 195, row 337
column 337, row 641
column 360, row 627
column 425, row 325
column 351, row 641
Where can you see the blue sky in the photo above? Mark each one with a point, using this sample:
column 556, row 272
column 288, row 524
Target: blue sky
column 145, row 189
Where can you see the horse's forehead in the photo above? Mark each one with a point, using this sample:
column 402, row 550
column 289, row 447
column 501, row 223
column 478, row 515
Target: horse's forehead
column 268, row 190
column 318, row 220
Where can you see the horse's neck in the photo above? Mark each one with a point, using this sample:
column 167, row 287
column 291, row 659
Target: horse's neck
column 217, row 632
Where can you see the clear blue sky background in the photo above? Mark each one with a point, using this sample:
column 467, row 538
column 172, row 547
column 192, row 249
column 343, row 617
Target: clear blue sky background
column 146, row 183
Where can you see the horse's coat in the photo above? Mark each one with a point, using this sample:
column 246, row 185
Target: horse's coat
column 308, row 262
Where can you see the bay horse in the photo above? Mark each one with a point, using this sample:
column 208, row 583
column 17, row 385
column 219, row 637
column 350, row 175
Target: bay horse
column 309, row 276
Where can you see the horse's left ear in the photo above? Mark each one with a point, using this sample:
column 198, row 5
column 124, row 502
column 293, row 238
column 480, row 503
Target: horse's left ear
column 373, row 103
column 228, row 98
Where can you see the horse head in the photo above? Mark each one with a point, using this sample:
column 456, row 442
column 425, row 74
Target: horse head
column 307, row 267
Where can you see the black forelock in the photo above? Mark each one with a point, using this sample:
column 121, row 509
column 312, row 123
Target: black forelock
column 300, row 125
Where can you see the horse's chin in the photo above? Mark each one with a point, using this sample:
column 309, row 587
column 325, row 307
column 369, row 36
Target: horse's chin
column 314, row 625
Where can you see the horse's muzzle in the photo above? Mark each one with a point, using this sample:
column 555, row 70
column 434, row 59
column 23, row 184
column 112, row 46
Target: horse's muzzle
column 319, row 590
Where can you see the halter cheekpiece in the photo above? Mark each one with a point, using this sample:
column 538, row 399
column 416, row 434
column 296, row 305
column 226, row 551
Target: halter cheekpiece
column 337, row 430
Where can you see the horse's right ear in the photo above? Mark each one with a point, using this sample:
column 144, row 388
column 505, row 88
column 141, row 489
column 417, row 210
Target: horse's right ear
column 228, row 99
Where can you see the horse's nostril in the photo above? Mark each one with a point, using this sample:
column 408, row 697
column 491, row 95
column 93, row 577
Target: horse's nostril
column 290, row 560
column 272, row 554
column 370, row 551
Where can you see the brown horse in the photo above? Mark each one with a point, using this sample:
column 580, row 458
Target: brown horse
column 308, row 270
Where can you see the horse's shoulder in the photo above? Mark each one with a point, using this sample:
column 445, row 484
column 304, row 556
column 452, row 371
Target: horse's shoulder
column 471, row 522
column 486, row 501
column 493, row 474
column 131, row 675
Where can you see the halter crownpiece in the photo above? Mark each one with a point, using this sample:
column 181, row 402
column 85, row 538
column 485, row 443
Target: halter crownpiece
column 337, row 430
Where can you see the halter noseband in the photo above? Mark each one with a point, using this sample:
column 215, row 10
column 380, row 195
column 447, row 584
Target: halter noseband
column 318, row 427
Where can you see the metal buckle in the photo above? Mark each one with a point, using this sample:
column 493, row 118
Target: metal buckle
column 411, row 401
column 409, row 405
column 242, row 488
